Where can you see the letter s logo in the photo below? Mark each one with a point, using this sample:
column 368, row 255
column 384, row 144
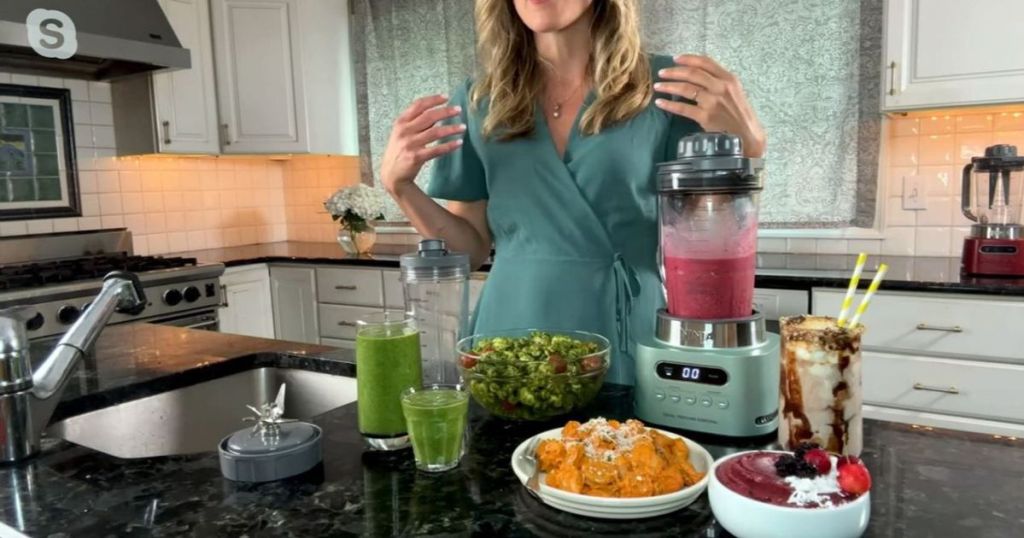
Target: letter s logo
column 52, row 33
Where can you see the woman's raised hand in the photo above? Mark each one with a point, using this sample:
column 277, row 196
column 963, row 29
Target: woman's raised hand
column 413, row 138
column 718, row 100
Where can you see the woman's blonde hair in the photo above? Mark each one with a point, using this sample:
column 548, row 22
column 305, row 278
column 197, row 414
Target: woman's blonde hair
column 510, row 68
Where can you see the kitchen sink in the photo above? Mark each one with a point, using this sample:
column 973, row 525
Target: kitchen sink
column 195, row 418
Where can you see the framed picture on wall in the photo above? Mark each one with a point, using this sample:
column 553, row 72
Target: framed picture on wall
column 38, row 174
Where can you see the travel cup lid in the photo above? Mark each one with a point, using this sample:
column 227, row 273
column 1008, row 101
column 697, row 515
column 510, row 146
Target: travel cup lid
column 433, row 260
column 710, row 162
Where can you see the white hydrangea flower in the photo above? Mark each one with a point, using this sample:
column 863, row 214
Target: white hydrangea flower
column 355, row 204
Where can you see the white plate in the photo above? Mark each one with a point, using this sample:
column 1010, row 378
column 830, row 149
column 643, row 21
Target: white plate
column 614, row 507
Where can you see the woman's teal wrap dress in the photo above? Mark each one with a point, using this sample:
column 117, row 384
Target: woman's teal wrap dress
column 575, row 237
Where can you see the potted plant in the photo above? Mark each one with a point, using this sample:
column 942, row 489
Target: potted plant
column 355, row 208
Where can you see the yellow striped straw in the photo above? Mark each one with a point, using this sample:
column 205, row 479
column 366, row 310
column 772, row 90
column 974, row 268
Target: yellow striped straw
column 867, row 296
column 862, row 259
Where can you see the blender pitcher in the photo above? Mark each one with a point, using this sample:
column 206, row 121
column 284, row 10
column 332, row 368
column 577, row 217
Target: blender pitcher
column 436, row 287
column 708, row 206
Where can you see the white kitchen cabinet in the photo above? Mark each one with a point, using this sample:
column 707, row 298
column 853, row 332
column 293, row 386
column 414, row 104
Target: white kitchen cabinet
column 942, row 360
column 293, row 294
column 175, row 111
column 394, row 290
column 284, row 76
column 245, row 295
column 941, row 53
column 938, row 325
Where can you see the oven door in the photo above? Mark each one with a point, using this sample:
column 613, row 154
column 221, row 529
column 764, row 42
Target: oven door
column 205, row 320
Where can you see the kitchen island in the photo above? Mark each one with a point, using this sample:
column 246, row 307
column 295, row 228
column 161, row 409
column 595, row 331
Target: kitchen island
column 927, row 482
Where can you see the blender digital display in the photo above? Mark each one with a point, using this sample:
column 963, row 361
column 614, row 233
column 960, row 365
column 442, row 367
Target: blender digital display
column 693, row 373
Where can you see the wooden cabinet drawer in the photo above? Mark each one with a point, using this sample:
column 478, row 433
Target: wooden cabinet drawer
column 933, row 324
column 334, row 342
column 394, row 294
column 953, row 386
column 338, row 321
column 361, row 287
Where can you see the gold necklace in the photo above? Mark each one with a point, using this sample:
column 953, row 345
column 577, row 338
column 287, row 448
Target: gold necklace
column 556, row 111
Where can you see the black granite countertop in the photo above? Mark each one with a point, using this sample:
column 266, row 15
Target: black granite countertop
column 780, row 271
column 926, row 482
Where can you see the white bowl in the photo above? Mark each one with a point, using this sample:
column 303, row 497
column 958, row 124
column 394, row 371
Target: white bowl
column 614, row 507
column 749, row 518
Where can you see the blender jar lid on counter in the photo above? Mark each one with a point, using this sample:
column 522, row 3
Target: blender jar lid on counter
column 433, row 260
column 712, row 163
column 274, row 449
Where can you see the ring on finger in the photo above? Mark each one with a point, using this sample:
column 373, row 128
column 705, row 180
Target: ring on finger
column 695, row 94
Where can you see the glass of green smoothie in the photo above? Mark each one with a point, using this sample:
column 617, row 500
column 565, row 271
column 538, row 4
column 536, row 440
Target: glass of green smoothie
column 387, row 363
column 436, row 421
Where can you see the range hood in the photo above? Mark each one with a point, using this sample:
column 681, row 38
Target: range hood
column 115, row 38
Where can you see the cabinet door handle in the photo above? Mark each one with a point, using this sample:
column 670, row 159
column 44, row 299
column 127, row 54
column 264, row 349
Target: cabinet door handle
column 953, row 329
column 167, row 131
column 932, row 388
column 346, row 324
column 892, row 78
column 223, row 296
column 341, row 287
column 227, row 134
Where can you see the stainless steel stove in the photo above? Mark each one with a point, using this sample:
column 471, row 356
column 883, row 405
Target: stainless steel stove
column 58, row 274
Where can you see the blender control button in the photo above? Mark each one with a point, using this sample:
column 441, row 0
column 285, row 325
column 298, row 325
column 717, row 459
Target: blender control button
column 705, row 401
column 659, row 396
column 723, row 404
column 675, row 398
column 690, row 400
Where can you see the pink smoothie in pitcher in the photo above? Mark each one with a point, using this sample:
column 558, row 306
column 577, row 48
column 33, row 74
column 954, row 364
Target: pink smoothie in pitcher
column 713, row 288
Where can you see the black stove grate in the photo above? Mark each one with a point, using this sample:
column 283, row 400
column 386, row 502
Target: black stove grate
column 30, row 275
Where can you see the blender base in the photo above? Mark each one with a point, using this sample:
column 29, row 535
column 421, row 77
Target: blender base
column 731, row 392
column 993, row 257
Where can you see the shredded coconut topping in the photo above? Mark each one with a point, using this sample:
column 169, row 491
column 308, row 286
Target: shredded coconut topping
column 815, row 491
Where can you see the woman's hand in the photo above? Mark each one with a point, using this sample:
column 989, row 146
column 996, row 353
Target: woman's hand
column 721, row 104
column 409, row 145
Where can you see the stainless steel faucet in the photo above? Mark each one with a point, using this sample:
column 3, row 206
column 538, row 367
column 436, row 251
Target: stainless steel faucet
column 27, row 399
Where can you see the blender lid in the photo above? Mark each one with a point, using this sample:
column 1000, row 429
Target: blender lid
column 433, row 260
column 710, row 162
column 998, row 158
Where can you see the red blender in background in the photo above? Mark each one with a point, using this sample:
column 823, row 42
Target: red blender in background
column 995, row 245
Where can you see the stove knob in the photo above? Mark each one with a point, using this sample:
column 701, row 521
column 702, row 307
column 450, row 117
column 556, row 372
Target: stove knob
column 36, row 322
column 192, row 294
column 67, row 314
column 172, row 297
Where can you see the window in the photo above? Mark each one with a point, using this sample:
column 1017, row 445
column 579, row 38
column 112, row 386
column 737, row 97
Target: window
column 810, row 67
column 37, row 174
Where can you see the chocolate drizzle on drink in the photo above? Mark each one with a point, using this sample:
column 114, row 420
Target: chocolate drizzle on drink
column 844, row 341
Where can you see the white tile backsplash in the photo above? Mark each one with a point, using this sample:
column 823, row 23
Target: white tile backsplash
column 899, row 241
column 932, row 241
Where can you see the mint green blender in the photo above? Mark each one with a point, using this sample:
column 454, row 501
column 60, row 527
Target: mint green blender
column 711, row 367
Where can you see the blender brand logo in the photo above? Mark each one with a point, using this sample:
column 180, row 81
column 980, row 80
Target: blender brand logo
column 52, row 33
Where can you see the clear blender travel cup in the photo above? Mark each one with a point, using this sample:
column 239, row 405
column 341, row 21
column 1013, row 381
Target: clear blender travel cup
column 436, row 284
column 708, row 213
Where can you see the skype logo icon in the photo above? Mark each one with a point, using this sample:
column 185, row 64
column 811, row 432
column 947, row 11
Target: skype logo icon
column 52, row 33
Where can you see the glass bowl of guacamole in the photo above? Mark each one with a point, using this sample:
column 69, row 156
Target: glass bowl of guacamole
column 533, row 374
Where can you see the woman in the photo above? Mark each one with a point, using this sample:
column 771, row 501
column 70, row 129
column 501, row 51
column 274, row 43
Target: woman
column 552, row 160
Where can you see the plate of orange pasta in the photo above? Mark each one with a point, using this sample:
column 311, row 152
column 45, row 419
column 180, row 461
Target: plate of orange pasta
column 615, row 470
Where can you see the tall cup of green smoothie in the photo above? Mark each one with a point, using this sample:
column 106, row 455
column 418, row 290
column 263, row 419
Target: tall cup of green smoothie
column 387, row 363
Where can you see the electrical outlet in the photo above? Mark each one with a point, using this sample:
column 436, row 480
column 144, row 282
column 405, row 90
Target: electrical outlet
column 913, row 193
